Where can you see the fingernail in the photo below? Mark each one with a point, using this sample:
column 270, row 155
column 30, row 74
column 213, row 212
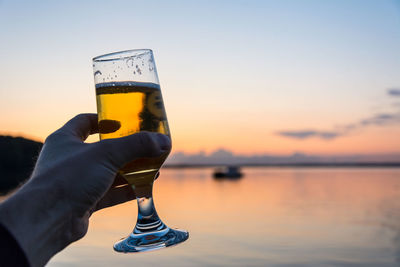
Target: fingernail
column 164, row 142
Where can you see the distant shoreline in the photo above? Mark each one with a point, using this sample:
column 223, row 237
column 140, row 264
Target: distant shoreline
column 293, row 165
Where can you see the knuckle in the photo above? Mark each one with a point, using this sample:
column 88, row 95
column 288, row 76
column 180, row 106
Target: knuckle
column 80, row 116
column 143, row 138
column 146, row 144
column 55, row 137
column 78, row 120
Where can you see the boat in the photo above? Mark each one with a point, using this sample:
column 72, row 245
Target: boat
column 228, row 172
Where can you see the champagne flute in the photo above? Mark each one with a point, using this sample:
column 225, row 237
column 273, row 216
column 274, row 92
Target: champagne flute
column 129, row 100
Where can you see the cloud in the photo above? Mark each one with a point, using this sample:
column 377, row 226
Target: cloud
column 394, row 92
column 382, row 119
column 304, row 134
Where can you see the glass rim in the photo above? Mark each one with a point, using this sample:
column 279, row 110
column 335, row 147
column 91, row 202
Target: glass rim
column 120, row 55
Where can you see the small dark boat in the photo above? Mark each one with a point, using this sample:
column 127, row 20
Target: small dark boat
column 229, row 172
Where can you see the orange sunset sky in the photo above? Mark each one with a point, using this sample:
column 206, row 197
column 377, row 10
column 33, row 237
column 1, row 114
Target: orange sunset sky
column 253, row 77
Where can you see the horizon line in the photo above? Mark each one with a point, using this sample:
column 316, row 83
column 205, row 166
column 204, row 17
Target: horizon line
column 394, row 164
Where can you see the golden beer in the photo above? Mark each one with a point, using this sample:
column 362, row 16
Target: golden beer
column 125, row 108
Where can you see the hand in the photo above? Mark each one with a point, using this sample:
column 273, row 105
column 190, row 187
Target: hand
column 70, row 180
column 80, row 127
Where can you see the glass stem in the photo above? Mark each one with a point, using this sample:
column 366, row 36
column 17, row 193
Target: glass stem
column 147, row 220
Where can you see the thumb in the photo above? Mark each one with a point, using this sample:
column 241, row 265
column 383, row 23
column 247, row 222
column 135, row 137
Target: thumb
column 119, row 151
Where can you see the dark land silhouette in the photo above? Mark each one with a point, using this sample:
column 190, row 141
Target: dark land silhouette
column 17, row 159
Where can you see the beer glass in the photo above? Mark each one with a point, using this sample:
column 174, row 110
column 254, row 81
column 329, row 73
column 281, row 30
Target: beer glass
column 129, row 100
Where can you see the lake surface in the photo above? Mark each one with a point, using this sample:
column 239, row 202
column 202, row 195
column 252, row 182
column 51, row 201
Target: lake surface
column 270, row 217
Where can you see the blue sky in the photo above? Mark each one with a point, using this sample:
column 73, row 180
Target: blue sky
column 227, row 68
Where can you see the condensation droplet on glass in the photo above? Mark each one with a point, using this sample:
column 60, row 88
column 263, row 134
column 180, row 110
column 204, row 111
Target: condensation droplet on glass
column 134, row 72
column 115, row 76
column 138, row 70
column 104, row 79
column 129, row 62
column 97, row 73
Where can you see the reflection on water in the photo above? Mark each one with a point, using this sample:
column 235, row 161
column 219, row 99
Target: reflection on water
column 273, row 217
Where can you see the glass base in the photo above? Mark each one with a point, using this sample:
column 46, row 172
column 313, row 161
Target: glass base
column 151, row 240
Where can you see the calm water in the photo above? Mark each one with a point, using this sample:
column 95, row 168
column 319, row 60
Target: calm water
column 271, row 217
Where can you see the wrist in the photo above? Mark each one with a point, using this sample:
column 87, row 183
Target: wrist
column 41, row 227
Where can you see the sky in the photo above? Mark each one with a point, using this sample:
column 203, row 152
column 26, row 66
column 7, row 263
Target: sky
column 252, row 77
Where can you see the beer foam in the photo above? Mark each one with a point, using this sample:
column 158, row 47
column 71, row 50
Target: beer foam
column 128, row 84
column 125, row 87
